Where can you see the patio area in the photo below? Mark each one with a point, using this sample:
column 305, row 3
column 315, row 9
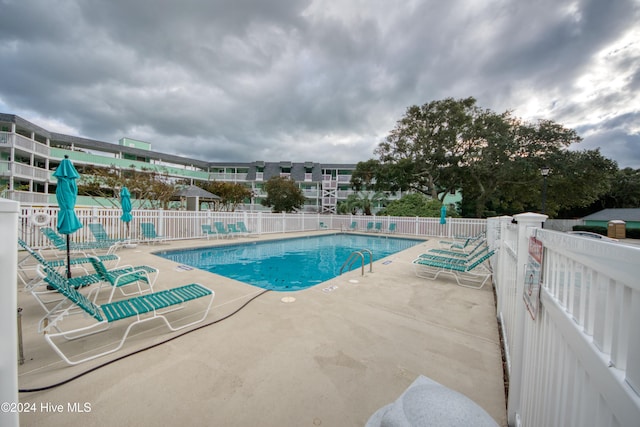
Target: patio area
column 333, row 356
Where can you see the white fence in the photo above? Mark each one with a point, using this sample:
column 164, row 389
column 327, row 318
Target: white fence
column 578, row 362
column 188, row 224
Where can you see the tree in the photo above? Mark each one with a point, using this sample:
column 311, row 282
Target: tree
column 283, row 195
column 502, row 160
column 495, row 159
column 362, row 201
column 349, row 206
column 624, row 192
column 231, row 194
column 415, row 205
column 364, row 175
column 422, row 153
column 151, row 188
column 578, row 179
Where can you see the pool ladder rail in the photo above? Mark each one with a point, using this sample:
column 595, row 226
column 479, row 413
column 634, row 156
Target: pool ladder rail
column 354, row 256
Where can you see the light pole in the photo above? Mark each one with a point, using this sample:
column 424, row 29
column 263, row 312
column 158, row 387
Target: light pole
column 545, row 172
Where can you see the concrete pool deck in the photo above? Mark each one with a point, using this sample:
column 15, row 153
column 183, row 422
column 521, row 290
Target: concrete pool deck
column 332, row 357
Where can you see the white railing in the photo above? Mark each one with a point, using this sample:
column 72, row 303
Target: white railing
column 577, row 362
column 187, row 224
column 28, row 197
column 22, row 142
column 223, row 176
column 27, row 171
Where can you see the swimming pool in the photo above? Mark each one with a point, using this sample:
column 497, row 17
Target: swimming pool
column 288, row 264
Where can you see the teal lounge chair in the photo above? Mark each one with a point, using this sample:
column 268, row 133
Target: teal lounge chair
column 101, row 236
column 370, row 226
column 149, row 233
column 116, row 277
column 60, row 243
column 466, row 249
column 392, row 227
column 475, row 272
column 353, row 226
column 141, row 277
column 378, row 227
column 454, row 259
column 221, row 230
column 233, row 231
column 208, row 232
column 243, row 229
column 97, row 318
column 461, row 243
column 60, row 264
column 323, row 225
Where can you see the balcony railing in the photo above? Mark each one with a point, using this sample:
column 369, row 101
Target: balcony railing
column 29, row 198
column 228, row 177
column 23, row 143
column 20, row 170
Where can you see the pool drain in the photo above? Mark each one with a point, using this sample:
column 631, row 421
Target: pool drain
column 288, row 299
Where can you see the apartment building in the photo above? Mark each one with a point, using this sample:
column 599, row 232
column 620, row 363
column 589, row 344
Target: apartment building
column 29, row 154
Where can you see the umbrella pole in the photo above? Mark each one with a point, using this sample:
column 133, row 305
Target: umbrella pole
column 68, row 259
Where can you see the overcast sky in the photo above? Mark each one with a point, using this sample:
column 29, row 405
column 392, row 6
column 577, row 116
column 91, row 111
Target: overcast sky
column 321, row 81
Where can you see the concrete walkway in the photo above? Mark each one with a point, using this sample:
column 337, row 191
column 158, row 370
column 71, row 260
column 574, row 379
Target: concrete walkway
column 332, row 357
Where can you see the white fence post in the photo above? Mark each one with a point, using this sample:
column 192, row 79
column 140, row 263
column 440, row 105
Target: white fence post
column 161, row 222
column 9, row 211
column 525, row 221
column 259, row 223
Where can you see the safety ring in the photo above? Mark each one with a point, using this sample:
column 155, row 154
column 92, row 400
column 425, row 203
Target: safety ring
column 40, row 219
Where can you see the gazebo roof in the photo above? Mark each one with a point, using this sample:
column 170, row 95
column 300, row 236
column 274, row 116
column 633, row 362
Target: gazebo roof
column 195, row 191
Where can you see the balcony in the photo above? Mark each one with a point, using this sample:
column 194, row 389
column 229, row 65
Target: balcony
column 22, row 171
column 23, row 143
column 228, row 177
column 29, row 198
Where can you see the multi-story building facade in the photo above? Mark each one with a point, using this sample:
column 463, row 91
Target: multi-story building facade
column 29, row 154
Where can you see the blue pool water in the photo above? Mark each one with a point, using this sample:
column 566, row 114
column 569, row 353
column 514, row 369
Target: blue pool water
column 287, row 264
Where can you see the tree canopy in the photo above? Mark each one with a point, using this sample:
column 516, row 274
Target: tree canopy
column 231, row 194
column 148, row 186
column 494, row 158
column 283, row 195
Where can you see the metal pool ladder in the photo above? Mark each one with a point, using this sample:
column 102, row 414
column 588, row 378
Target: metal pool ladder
column 354, row 256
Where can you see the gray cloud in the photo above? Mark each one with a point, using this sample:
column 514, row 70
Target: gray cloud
column 306, row 80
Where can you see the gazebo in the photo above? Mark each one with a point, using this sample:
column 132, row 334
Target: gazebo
column 194, row 195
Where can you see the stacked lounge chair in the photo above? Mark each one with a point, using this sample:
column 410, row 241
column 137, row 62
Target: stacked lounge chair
column 470, row 272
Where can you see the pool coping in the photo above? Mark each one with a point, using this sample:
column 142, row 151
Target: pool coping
column 253, row 242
